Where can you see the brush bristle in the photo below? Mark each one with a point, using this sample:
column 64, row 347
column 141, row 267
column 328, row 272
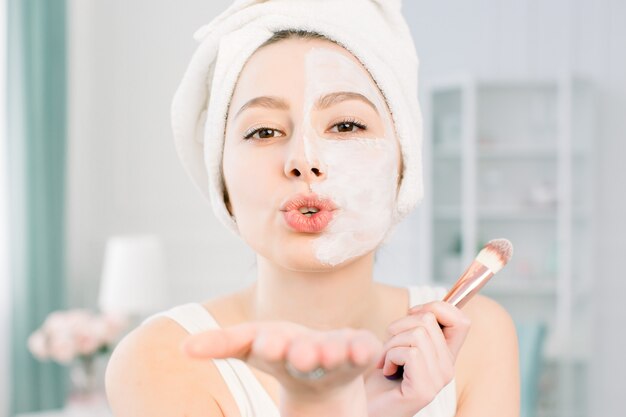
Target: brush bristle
column 496, row 254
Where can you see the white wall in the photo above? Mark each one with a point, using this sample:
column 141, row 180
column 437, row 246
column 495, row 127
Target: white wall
column 126, row 59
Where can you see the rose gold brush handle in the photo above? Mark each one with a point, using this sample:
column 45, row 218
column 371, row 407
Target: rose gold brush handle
column 472, row 280
column 490, row 260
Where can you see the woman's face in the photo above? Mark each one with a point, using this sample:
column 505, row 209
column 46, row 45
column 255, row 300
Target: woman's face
column 317, row 126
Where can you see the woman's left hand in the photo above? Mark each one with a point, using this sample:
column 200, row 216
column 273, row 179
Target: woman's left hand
column 426, row 343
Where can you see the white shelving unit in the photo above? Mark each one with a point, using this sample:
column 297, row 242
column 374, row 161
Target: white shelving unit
column 513, row 158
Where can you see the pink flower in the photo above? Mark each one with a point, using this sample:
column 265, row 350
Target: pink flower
column 66, row 334
column 62, row 349
column 37, row 345
column 55, row 322
column 114, row 325
column 86, row 342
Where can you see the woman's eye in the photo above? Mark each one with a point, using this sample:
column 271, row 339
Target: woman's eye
column 264, row 133
column 348, row 127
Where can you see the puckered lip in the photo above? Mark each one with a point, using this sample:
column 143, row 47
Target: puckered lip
column 308, row 200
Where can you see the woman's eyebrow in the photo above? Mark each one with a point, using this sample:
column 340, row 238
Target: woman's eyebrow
column 322, row 102
column 331, row 99
column 264, row 101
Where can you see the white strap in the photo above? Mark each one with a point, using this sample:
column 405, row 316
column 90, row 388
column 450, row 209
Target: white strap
column 259, row 403
column 444, row 404
column 191, row 316
column 235, row 385
column 425, row 293
column 250, row 396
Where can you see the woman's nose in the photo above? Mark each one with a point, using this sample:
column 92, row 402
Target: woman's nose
column 303, row 161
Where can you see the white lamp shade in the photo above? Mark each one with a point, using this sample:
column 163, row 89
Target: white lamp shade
column 133, row 276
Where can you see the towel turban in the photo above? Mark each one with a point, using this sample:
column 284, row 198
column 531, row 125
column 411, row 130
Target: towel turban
column 374, row 31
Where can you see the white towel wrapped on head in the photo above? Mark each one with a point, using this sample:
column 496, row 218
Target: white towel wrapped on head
column 374, row 31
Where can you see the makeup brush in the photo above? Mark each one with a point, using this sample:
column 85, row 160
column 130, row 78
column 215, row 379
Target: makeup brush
column 489, row 261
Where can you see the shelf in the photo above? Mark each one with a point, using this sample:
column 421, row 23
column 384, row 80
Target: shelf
column 504, row 213
column 516, row 213
column 521, row 287
column 460, row 80
column 548, row 413
column 516, row 156
column 444, row 152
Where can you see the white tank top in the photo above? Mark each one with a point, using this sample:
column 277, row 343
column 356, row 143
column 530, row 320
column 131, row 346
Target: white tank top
column 252, row 399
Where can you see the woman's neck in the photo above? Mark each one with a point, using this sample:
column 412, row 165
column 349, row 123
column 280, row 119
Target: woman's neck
column 336, row 298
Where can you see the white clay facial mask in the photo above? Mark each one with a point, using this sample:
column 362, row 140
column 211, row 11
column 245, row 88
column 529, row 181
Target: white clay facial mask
column 361, row 170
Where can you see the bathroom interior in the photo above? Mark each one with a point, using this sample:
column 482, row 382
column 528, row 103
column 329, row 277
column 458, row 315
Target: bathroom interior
column 524, row 119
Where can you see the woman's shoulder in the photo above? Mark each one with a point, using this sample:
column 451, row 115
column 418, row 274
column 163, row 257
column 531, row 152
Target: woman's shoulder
column 490, row 349
column 489, row 321
column 148, row 370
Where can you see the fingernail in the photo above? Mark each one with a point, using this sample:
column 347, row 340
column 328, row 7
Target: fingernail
column 396, row 375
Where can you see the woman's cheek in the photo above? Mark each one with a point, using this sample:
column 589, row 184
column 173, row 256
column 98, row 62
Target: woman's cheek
column 362, row 179
column 242, row 177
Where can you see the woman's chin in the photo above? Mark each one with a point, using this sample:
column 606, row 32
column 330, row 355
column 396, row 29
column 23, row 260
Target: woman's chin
column 306, row 259
column 303, row 252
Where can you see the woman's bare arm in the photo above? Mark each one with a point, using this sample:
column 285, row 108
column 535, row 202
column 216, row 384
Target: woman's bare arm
column 147, row 375
column 488, row 363
column 346, row 354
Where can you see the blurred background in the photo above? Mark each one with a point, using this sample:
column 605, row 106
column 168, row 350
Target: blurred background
column 525, row 112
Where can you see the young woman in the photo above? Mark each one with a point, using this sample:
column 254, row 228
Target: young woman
column 311, row 170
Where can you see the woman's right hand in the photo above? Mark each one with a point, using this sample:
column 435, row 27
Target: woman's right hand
column 345, row 354
column 426, row 343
